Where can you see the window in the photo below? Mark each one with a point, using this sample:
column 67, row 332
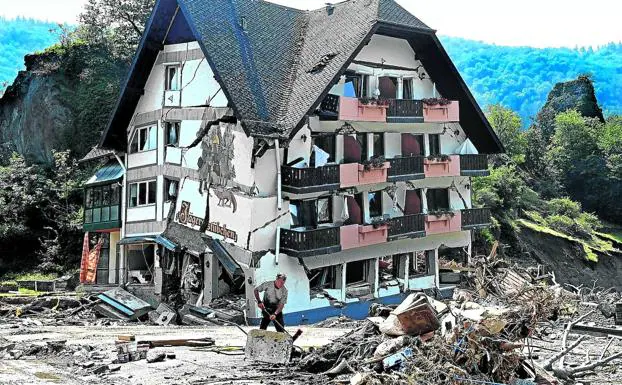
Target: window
column 143, row 193
column 356, row 272
column 323, row 278
column 363, row 140
column 327, row 144
column 356, row 85
column 418, row 263
column 378, row 142
column 145, row 139
column 310, row 213
column 388, row 87
column 438, row 199
column 172, row 78
column 408, row 89
column 171, row 134
column 435, row 144
column 375, row 204
column 171, row 188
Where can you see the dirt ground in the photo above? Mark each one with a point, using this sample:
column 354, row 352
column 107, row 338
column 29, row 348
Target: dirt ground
column 190, row 366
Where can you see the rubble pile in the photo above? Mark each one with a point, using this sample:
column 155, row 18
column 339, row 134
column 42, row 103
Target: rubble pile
column 485, row 334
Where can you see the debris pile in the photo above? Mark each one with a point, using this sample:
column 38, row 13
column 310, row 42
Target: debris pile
column 487, row 333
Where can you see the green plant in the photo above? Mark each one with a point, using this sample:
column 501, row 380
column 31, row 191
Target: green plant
column 442, row 213
column 436, row 101
column 374, row 101
column 564, row 206
column 439, row 158
column 374, row 162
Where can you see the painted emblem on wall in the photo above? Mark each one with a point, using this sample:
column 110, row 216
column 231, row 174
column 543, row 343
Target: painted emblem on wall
column 217, row 156
column 185, row 218
column 226, row 198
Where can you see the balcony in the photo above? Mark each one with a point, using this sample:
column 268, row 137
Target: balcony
column 476, row 218
column 408, row 226
column 406, row 168
column 308, row 180
column 474, row 165
column 441, row 165
column 442, row 223
column 102, row 218
column 335, row 107
column 355, row 174
column 441, row 113
column 303, row 243
column 353, row 236
column 102, row 199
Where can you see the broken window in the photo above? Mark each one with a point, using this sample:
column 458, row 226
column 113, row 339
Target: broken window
column 418, row 263
column 310, row 213
column 438, row 199
column 172, row 78
column 356, row 85
column 140, row 260
column 358, row 279
column 144, row 139
column 171, row 134
column 390, row 266
column 324, row 210
column 375, row 204
column 378, row 144
column 171, row 188
column 142, row 193
column 327, row 144
column 323, row 278
column 435, row 144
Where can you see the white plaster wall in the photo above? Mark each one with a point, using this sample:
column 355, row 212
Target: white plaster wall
column 243, row 146
column 264, row 221
column 452, row 139
column 395, row 52
column 143, row 213
column 113, row 262
column 189, row 192
column 392, row 145
column 265, row 173
column 144, row 158
column 153, row 96
column 299, row 147
column 188, row 130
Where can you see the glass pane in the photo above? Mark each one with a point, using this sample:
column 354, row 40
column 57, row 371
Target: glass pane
column 105, row 195
column 153, row 190
column 378, row 144
column 134, row 144
column 88, row 200
column 172, row 79
column 134, row 195
column 293, row 209
column 323, row 210
column 88, row 216
column 143, row 139
column 172, row 134
column 96, row 215
column 153, row 138
column 97, row 197
column 114, row 194
column 105, row 215
column 142, row 194
column 114, row 213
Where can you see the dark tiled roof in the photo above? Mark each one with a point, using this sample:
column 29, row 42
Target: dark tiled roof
column 391, row 12
column 97, row 153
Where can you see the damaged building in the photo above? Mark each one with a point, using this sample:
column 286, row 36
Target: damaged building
column 335, row 145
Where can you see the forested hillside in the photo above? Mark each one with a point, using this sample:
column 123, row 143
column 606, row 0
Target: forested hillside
column 521, row 77
column 19, row 37
column 516, row 77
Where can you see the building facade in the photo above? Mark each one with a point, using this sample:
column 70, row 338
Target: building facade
column 335, row 145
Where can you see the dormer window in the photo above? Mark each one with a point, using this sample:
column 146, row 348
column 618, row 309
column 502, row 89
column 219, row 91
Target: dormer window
column 172, row 74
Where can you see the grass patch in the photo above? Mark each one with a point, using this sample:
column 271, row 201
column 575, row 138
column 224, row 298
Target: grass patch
column 23, row 292
column 615, row 236
column 589, row 246
column 12, row 278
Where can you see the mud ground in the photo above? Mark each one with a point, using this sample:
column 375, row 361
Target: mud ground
column 190, row 365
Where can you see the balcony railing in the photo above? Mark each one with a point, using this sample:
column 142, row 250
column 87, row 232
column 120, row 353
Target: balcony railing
column 474, row 165
column 406, row 168
column 307, row 180
column 302, row 243
column 405, row 111
column 475, row 218
column 335, row 107
column 408, row 226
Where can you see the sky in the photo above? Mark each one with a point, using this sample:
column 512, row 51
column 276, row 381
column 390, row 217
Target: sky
column 536, row 23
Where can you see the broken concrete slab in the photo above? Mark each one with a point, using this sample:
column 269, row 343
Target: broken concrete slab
column 268, row 346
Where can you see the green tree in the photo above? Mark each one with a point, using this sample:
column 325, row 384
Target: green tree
column 508, row 126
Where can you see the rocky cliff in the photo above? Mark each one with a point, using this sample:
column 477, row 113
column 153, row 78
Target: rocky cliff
column 61, row 101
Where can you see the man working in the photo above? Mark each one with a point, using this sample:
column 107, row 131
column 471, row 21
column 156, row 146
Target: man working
column 274, row 299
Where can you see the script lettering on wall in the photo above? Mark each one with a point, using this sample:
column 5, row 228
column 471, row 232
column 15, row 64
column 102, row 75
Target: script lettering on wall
column 185, row 218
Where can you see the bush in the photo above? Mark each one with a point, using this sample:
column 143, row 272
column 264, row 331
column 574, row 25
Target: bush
column 565, row 207
column 588, row 222
column 561, row 223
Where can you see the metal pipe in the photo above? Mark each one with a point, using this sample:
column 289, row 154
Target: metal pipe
column 121, row 262
column 279, row 204
column 278, row 245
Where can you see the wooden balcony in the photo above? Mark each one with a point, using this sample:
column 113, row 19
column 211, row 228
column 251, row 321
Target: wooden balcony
column 308, row 180
column 355, row 174
column 444, row 223
column 406, row 168
column 405, row 111
column 474, row 165
column 442, row 165
column 303, row 243
column 438, row 113
column 408, row 226
column 476, row 218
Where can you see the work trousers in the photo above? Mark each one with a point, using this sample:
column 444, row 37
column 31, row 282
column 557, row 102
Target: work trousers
column 265, row 321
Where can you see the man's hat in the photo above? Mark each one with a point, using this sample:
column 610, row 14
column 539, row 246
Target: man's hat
column 281, row 275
